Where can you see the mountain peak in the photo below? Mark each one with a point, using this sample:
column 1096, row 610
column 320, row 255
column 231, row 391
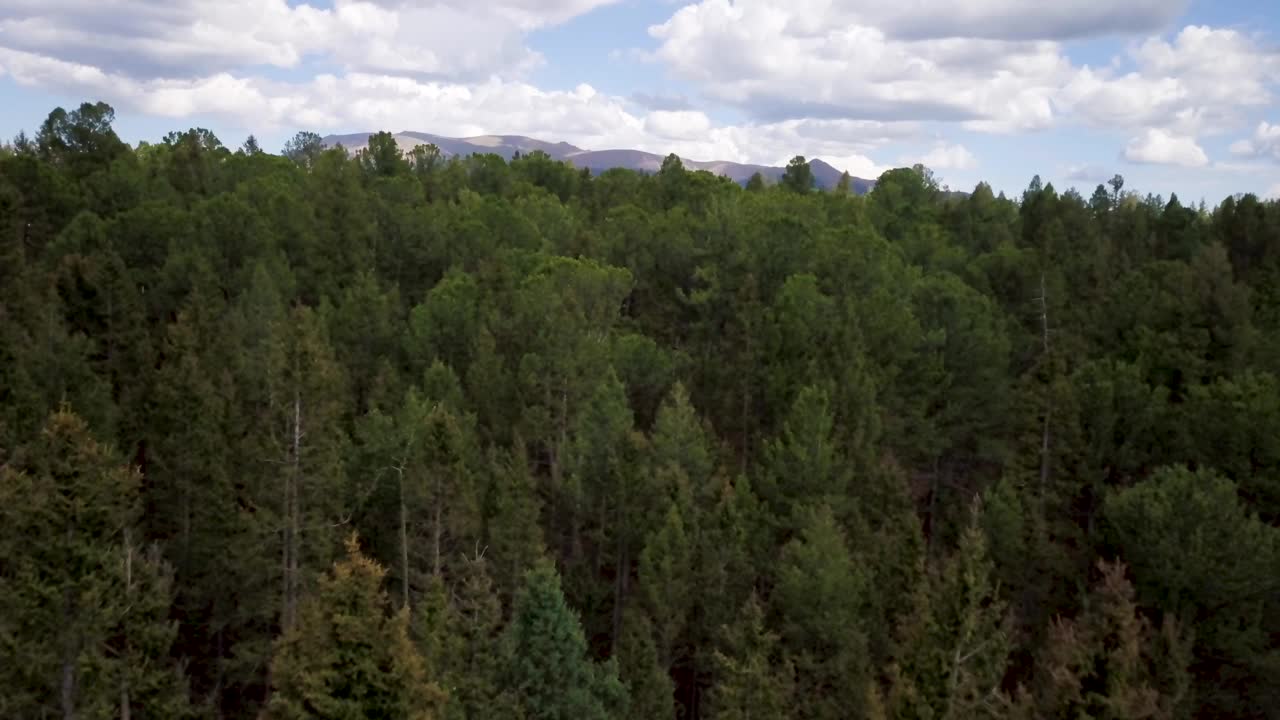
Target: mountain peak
column 507, row 146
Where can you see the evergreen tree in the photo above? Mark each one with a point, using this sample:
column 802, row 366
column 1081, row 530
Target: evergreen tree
column 1110, row 663
column 753, row 679
column 475, row 669
column 350, row 656
column 667, row 583
column 1199, row 554
column 649, row 685
column 955, row 648
column 547, row 664
column 821, row 597
column 84, row 606
column 798, row 177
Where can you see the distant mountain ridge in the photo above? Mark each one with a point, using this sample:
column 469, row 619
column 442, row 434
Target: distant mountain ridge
column 826, row 176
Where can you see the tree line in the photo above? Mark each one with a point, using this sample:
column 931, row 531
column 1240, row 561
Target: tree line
column 391, row 434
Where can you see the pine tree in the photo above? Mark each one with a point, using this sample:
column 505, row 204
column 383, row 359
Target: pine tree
column 514, row 529
column 955, row 648
column 821, row 598
column 349, row 656
column 804, row 466
column 1111, row 663
column 547, row 663
column 83, row 606
column 753, row 678
column 475, row 668
column 667, row 583
column 305, row 390
column 649, row 684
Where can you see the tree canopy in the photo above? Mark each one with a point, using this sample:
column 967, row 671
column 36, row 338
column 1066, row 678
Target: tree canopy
column 624, row 445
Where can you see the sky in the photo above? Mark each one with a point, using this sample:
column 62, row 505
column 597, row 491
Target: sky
column 1175, row 95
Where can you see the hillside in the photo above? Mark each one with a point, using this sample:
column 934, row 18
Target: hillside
column 597, row 161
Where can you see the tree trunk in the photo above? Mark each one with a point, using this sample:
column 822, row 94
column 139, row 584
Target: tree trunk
column 622, row 578
column 404, row 544
column 68, row 689
column 215, row 695
column 437, row 530
column 69, row 650
column 125, row 712
column 1048, row 403
column 292, row 508
column 934, row 488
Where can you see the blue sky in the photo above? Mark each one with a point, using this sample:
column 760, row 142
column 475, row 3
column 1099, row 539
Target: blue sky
column 1176, row 95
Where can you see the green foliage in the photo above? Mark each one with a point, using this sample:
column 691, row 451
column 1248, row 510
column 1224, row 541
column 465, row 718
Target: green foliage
column 753, row 679
column 547, row 664
column 956, row 646
column 821, row 598
column 745, row 424
column 349, row 656
column 83, row 607
column 798, row 176
column 1199, row 554
column 1111, row 662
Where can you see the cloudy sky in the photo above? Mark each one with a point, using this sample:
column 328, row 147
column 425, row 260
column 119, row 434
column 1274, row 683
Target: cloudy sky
column 1176, row 95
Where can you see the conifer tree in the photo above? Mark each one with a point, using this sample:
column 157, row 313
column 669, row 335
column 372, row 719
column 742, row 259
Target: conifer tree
column 1111, row 663
column 547, row 663
column 648, row 683
column 667, row 582
column 955, row 648
column 83, row 604
column 305, row 391
column 349, row 655
column 821, row 598
column 475, row 668
column 514, row 531
column 753, row 678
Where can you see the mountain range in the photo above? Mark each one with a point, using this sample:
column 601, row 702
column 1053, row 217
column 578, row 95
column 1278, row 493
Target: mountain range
column 597, row 161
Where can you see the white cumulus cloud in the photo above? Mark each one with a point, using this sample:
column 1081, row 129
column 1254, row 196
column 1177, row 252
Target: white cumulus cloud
column 1200, row 81
column 1160, row 147
column 186, row 38
column 1265, row 143
column 367, row 101
column 946, row 156
column 789, row 61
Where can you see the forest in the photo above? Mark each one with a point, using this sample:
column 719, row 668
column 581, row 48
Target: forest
column 377, row 434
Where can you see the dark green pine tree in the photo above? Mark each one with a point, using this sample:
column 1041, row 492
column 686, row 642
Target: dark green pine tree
column 955, row 648
column 474, row 676
column 547, row 663
column 798, row 177
column 753, row 679
column 84, row 608
column 821, row 598
column 649, row 685
column 1200, row 553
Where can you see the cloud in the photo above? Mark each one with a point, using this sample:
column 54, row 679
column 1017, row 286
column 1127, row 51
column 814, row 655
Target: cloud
column 945, row 156
column 365, row 101
column 677, row 124
column 1201, row 81
column 1159, row 147
column 1273, row 193
column 796, row 60
column 189, row 38
column 990, row 65
column 1265, row 143
column 661, row 102
column 1016, row 19
column 836, row 79
column 1088, row 173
